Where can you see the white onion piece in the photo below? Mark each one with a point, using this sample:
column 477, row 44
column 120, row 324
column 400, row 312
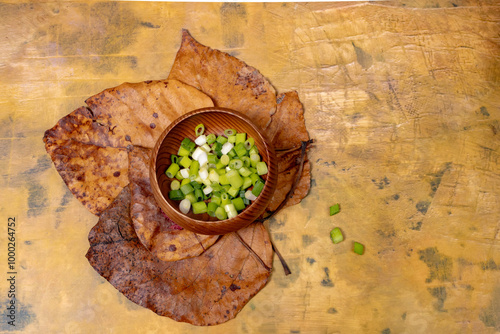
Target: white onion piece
column 250, row 196
column 184, row 173
column 207, row 190
column 203, row 158
column 200, row 140
column 197, row 153
column 203, row 173
column 185, row 206
column 226, row 147
column 206, row 148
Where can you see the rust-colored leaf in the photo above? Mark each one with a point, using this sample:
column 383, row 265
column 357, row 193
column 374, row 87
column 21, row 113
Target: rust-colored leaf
column 89, row 146
column 205, row 290
column 155, row 231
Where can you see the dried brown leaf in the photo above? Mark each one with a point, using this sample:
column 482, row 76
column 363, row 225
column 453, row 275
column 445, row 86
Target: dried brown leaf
column 155, row 231
column 205, row 290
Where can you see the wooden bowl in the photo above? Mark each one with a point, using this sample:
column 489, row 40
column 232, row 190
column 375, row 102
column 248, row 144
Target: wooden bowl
column 216, row 120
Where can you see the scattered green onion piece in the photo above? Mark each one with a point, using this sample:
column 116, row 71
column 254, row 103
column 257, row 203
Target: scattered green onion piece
column 231, row 139
column 187, row 188
column 185, row 206
column 174, row 159
column 223, row 179
column 184, row 172
column 212, row 159
column 253, row 150
column 220, row 213
column 178, row 176
column 191, row 198
column 199, row 130
column 211, row 207
column 221, row 171
column 238, row 203
column 185, row 181
column 199, row 207
column 234, row 179
column 232, row 153
column 358, row 248
column 249, row 143
column 211, row 138
column 175, row 185
column 198, row 194
column 240, row 150
column 247, row 182
column 224, row 199
column 224, row 159
column 244, row 171
column 216, row 186
column 183, row 152
column 176, row 195
column 242, row 193
column 172, row 170
column 216, row 199
column 254, row 177
column 336, row 235
column 221, row 140
column 246, row 161
column 235, row 164
column 246, row 201
column 257, row 188
column 217, row 149
column 202, row 141
column 250, row 196
column 233, row 191
column 219, row 165
column 241, row 137
column 213, row 176
column 196, row 185
column 334, row 209
column 188, row 144
column 185, row 162
column 229, row 132
column 230, row 210
column 254, row 158
column 261, row 167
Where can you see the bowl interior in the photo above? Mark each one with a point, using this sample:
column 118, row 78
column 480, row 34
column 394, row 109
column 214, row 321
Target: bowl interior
column 215, row 121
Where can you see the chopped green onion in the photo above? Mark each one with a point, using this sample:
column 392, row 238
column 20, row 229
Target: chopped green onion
column 246, row 161
column 234, row 178
column 211, row 208
column 172, row 170
column 193, row 170
column 176, row 195
column 238, row 203
column 223, row 179
column 249, row 143
column 233, row 191
column 201, row 140
column 241, row 137
column 211, row 138
column 231, row 139
column 216, row 199
column 212, row 159
column 185, row 181
column 229, row 132
column 175, row 185
column 230, row 210
column 336, row 235
column 174, row 158
column 187, row 188
column 254, row 177
column 184, row 172
column 254, row 158
column 199, row 130
column 185, row 206
column 261, row 167
column 198, row 194
column 232, row 153
column 226, row 148
column 245, row 171
column 235, row 164
column 224, row 159
column 221, row 140
column 178, row 176
column 250, row 196
column 220, row 213
column 224, row 199
column 185, row 162
column 196, row 185
column 213, row 176
column 183, row 152
column 188, row 144
column 191, row 198
column 334, row 209
column 358, row 248
column 199, row 207
column 247, row 182
column 240, row 150
column 257, row 188
column 253, row 150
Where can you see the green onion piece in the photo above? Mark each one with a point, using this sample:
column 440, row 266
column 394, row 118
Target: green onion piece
column 191, row 198
column 223, row 179
column 244, row 171
column 187, row 188
column 246, row 201
column 358, row 248
column 224, row 199
column 193, row 170
column 185, row 181
column 172, row 170
column 231, row 139
column 198, row 193
column 195, row 185
column 211, row 138
column 211, row 207
column 254, row 177
column 217, row 149
column 229, row 132
column 253, row 150
column 179, row 176
column 185, row 162
column 254, row 158
column 234, row 178
column 231, row 153
column 176, row 195
column 249, row 143
column 235, row 164
column 175, row 185
column 241, row 137
column 188, row 144
column 221, row 171
column 230, row 210
column 246, row 161
column 219, row 165
column 336, row 235
column 213, row 176
column 240, row 150
column 185, row 206
column 221, row 140
column 224, row 159
column 257, row 188
column 220, row 213
column 216, row 199
column 199, row 207
column 199, row 130
column 261, row 167
column 233, row 191
column 174, row 159
column 183, row 152
column 212, row 158
column 226, row 187
column 334, row 209
column 238, row 203
column 216, row 186
column 247, row 182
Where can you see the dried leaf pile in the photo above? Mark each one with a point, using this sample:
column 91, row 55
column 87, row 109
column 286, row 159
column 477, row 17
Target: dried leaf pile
column 102, row 151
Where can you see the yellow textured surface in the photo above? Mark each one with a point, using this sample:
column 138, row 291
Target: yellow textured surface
column 403, row 101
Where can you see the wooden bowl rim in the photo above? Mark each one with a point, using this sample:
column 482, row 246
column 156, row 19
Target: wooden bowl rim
column 232, row 224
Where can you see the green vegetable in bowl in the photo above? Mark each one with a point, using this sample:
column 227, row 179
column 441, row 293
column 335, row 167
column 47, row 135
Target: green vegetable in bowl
column 218, row 175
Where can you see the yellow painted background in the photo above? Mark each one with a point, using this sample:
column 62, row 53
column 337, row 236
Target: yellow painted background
column 402, row 99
